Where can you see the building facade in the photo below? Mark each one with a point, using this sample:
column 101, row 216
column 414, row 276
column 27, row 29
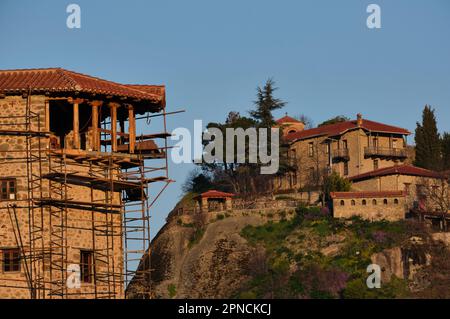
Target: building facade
column 74, row 195
column 373, row 156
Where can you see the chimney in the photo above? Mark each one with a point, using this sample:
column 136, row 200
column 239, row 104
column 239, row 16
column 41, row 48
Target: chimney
column 359, row 119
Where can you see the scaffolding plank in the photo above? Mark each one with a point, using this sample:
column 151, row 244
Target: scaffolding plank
column 94, row 182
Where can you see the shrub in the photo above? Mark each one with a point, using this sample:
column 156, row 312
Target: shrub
column 172, row 289
column 196, row 237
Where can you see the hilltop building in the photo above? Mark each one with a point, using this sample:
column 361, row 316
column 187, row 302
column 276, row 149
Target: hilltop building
column 372, row 155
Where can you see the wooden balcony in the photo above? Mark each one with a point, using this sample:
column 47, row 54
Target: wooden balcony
column 340, row 155
column 385, row 152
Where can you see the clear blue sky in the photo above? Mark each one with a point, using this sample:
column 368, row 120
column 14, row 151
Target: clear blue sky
column 211, row 55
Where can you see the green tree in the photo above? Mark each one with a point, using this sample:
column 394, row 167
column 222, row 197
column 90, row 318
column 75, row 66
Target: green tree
column 446, row 151
column 334, row 183
column 428, row 142
column 266, row 103
column 334, row 120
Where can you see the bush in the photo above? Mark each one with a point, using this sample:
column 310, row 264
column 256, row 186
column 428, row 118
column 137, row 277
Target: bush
column 172, row 289
column 196, row 237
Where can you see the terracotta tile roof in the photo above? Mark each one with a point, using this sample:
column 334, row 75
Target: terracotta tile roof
column 215, row 194
column 287, row 119
column 400, row 169
column 61, row 80
column 342, row 127
column 344, row 195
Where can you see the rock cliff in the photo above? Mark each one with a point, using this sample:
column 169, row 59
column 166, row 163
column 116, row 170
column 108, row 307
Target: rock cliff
column 238, row 254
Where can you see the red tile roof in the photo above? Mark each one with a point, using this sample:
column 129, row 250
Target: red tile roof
column 215, row 194
column 400, row 169
column 344, row 195
column 287, row 119
column 61, row 80
column 342, row 127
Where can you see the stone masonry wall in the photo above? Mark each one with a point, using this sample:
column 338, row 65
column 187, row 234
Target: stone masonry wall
column 79, row 222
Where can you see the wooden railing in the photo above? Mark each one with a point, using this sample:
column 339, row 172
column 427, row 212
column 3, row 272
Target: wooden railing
column 340, row 154
column 385, row 152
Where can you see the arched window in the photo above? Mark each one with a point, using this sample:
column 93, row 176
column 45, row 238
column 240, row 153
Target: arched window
column 292, row 131
column 353, row 202
column 364, row 202
column 374, row 201
column 396, row 201
column 342, row 203
column 385, row 201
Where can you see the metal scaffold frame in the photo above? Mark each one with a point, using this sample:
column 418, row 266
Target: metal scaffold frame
column 44, row 240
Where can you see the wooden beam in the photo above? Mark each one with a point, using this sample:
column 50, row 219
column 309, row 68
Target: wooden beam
column 95, row 132
column 76, row 126
column 131, row 128
column 113, row 108
column 47, row 115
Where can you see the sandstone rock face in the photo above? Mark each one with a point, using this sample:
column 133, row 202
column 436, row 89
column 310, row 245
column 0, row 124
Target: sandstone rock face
column 214, row 267
column 443, row 237
column 405, row 263
column 390, row 261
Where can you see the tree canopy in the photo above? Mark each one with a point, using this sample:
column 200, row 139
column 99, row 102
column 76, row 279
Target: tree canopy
column 333, row 120
column 266, row 103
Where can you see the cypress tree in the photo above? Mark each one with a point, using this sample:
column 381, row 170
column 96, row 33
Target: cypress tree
column 446, row 151
column 428, row 142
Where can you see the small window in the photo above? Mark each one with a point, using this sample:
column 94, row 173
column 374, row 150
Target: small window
column 344, row 144
column 11, row 260
column 8, row 189
column 394, row 143
column 292, row 131
column 294, row 178
column 345, row 168
column 87, row 266
column 353, row 202
column 364, row 202
column 294, row 154
column 375, row 142
column 407, row 188
column 385, row 201
column 374, row 202
column 375, row 164
column 311, row 149
column 396, row 201
column 342, row 203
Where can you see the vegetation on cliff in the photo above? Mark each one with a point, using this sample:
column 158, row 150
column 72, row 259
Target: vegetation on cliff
column 316, row 256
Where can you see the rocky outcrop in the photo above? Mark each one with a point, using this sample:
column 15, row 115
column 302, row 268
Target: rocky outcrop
column 215, row 261
column 405, row 262
column 213, row 267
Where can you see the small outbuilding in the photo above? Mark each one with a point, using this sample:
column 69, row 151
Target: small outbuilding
column 214, row 200
column 388, row 205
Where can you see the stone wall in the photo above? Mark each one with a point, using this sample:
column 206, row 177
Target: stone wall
column 375, row 208
column 79, row 232
column 397, row 182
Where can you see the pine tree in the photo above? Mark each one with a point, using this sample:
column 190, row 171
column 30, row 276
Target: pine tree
column 428, row 142
column 266, row 103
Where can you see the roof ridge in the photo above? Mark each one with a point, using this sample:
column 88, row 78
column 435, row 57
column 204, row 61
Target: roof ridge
column 103, row 80
column 397, row 127
column 30, row 70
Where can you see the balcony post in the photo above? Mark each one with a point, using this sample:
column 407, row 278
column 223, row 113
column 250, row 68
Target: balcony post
column 113, row 109
column 131, row 128
column 95, row 142
column 76, row 123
